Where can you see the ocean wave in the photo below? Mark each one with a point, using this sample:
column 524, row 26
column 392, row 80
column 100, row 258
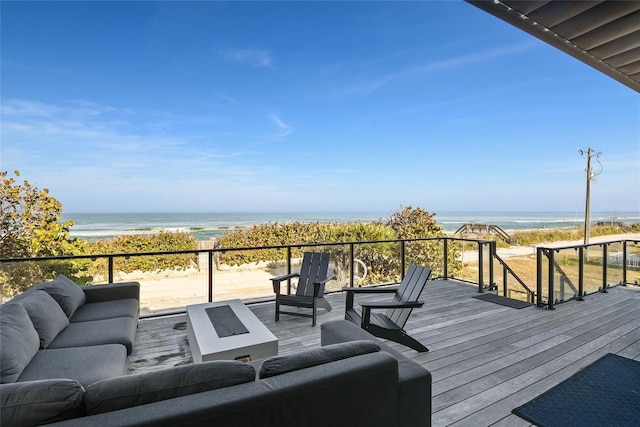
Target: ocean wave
column 205, row 226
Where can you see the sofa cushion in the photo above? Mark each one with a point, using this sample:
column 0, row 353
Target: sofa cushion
column 139, row 389
column 66, row 292
column 19, row 341
column 127, row 307
column 282, row 364
column 40, row 402
column 121, row 330
column 83, row 364
column 46, row 315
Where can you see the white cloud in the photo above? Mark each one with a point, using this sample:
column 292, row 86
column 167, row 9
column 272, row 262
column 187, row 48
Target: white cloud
column 24, row 108
column 227, row 98
column 368, row 86
column 252, row 57
column 285, row 128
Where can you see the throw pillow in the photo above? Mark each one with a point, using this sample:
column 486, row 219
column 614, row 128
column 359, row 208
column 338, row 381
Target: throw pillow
column 69, row 295
column 46, row 315
column 32, row 403
column 19, row 341
column 138, row 389
column 282, row 364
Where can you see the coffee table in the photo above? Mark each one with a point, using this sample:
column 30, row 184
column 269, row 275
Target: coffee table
column 227, row 330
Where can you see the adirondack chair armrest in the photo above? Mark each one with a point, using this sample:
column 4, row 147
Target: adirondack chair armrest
column 285, row 277
column 326, row 279
column 275, row 281
column 369, row 290
column 316, row 285
column 396, row 304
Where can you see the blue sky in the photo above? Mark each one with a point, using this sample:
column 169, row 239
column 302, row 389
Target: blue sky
column 305, row 106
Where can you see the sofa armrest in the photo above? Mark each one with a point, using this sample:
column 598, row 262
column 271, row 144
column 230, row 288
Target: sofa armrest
column 112, row 291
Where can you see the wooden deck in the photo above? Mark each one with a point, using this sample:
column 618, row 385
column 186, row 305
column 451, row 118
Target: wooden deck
column 485, row 358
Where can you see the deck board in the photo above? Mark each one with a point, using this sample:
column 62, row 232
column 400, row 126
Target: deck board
column 486, row 359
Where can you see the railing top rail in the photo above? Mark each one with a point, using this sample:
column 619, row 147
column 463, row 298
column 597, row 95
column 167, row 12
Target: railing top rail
column 513, row 273
column 243, row 248
column 559, row 248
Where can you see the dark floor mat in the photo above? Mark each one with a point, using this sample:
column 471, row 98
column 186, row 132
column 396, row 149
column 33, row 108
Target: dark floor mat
column 605, row 393
column 509, row 302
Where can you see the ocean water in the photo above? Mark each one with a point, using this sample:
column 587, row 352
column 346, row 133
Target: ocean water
column 94, row 226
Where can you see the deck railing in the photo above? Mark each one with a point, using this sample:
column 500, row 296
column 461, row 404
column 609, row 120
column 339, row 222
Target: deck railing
column 356, row 263
column 572, row 272
column 564, row 273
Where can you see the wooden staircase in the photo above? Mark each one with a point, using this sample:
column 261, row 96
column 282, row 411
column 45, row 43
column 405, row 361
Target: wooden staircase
column 479, row 230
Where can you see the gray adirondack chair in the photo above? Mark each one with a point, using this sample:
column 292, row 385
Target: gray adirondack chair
column 310, row 289
column 390, row 324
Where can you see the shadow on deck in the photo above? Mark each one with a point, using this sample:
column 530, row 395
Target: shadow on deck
column 485, row 358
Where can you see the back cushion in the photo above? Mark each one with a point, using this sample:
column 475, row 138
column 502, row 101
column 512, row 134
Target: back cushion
column 69, row 295
column 46, row 315
column 32, row 403
column 19, row 341
column 282, row 364
column 133, row 390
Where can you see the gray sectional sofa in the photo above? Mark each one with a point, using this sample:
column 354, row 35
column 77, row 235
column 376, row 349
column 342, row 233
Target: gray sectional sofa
column 353, row 379
column 60, row 336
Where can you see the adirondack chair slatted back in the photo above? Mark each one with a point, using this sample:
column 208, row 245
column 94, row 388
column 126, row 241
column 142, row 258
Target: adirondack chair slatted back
column 409, row 291
column 314, row 268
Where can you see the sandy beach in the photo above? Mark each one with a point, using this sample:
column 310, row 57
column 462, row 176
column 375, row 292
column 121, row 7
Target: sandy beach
column 170, row 291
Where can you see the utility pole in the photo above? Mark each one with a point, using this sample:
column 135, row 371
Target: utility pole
column 590, row 175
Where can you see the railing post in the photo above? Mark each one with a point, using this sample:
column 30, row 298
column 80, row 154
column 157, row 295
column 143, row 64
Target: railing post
column 624, row 263
column 551, row 277
column 351, row 267
column 539, row 277
column 492, row 252
column 581, row 273
column 480, row 268
column 504, row 282
column 210, row 273
column 110, row 268
column 605, row 261
column 288, row 269
column 446, row 258
column 402, row 259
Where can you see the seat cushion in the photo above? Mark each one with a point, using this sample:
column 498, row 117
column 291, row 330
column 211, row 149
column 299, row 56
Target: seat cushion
column 68, row 294
column 40, row 402
column 127, row 307
column 46, row 315
column 282, row 364
column 83, row 364
column 19, row 341
column 139, row 389
column 121, row 330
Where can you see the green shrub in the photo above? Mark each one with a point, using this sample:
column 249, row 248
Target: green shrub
column 382, row 259
column 527, row 238
column 164, row 241
column 416, row 223
column 31, row 226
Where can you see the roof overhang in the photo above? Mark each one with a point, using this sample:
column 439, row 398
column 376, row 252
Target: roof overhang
column 602, row 34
